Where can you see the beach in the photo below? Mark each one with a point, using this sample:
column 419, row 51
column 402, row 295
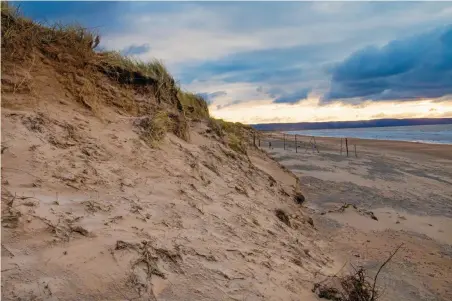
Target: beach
column 408, row 189
column 121, row 180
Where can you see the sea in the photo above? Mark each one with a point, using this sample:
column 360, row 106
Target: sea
column 438, row 134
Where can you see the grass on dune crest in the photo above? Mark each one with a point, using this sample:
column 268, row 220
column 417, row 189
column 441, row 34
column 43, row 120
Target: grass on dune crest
column 72, row 51
column 236, row 133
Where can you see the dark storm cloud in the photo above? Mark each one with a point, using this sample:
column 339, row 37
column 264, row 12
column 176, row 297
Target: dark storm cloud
column 416, row 67
column 294, row 97
column 209, row 97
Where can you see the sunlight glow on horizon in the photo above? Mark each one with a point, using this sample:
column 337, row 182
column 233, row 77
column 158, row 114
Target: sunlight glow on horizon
column 310, row 111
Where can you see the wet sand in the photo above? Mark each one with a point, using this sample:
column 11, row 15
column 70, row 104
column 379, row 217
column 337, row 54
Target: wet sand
column 408, row 188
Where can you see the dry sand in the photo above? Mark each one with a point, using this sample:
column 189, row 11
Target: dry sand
column 91, row 212
column 407, row 186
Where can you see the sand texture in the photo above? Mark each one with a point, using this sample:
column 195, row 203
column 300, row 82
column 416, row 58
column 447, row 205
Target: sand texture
column 407, row 187
column 91, row 212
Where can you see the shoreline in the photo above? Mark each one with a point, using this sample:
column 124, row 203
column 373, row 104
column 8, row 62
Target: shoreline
column 395, row 140
column 441, row 151
column 291, row 133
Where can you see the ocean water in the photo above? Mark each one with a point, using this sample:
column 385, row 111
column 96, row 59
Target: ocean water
column 441, row 134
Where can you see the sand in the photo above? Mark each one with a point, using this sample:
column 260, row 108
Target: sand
column 91, row 212
column 407, row 186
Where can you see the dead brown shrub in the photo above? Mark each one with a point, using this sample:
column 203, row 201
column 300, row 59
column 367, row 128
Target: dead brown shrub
column 357, row 286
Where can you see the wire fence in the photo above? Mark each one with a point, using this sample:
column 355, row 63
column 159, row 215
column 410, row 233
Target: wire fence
column 300, row 143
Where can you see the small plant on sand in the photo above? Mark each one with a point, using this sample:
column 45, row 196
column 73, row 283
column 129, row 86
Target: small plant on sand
column 357, row 286
column 236, row 144
column 179, row 126
column 153, row 129
column 216, row 127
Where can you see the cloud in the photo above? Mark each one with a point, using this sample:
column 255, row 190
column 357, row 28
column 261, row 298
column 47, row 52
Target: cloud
column 209, row 97
column 412, row 68
column 262, row 52
column 293, row 98
column 136, row 49
column 229, row 104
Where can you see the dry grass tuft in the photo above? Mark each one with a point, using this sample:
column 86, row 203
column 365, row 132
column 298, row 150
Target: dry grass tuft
column 194, row 105
column 236, row 144
column 179, row 126
column 235, row 133
column 154, row 129
column 216, row 126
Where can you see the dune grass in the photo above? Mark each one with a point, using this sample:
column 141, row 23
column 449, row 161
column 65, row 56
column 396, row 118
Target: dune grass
column 154, row 69
column 71, row 50
column 235, row 133
column 194, row 105
column 21, row 35
column 153, row 129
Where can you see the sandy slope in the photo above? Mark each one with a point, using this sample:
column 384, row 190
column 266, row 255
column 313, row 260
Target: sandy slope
column 408, row 187
column 91, row 212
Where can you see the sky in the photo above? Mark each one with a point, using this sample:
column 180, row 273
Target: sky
column 266, row 62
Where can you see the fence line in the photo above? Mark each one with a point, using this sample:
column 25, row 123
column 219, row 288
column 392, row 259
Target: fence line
column 297, row 142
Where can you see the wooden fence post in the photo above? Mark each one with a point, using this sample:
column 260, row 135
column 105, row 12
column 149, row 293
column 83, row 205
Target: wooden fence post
column 341, row 146
column 254, row 139
column 296, row 146
column 315, row 144
column 346, row 145
column 284, row 135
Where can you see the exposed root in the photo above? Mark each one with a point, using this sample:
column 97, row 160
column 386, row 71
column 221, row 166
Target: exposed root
column 94, row 206
column 10, row 215
column 360, row 211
